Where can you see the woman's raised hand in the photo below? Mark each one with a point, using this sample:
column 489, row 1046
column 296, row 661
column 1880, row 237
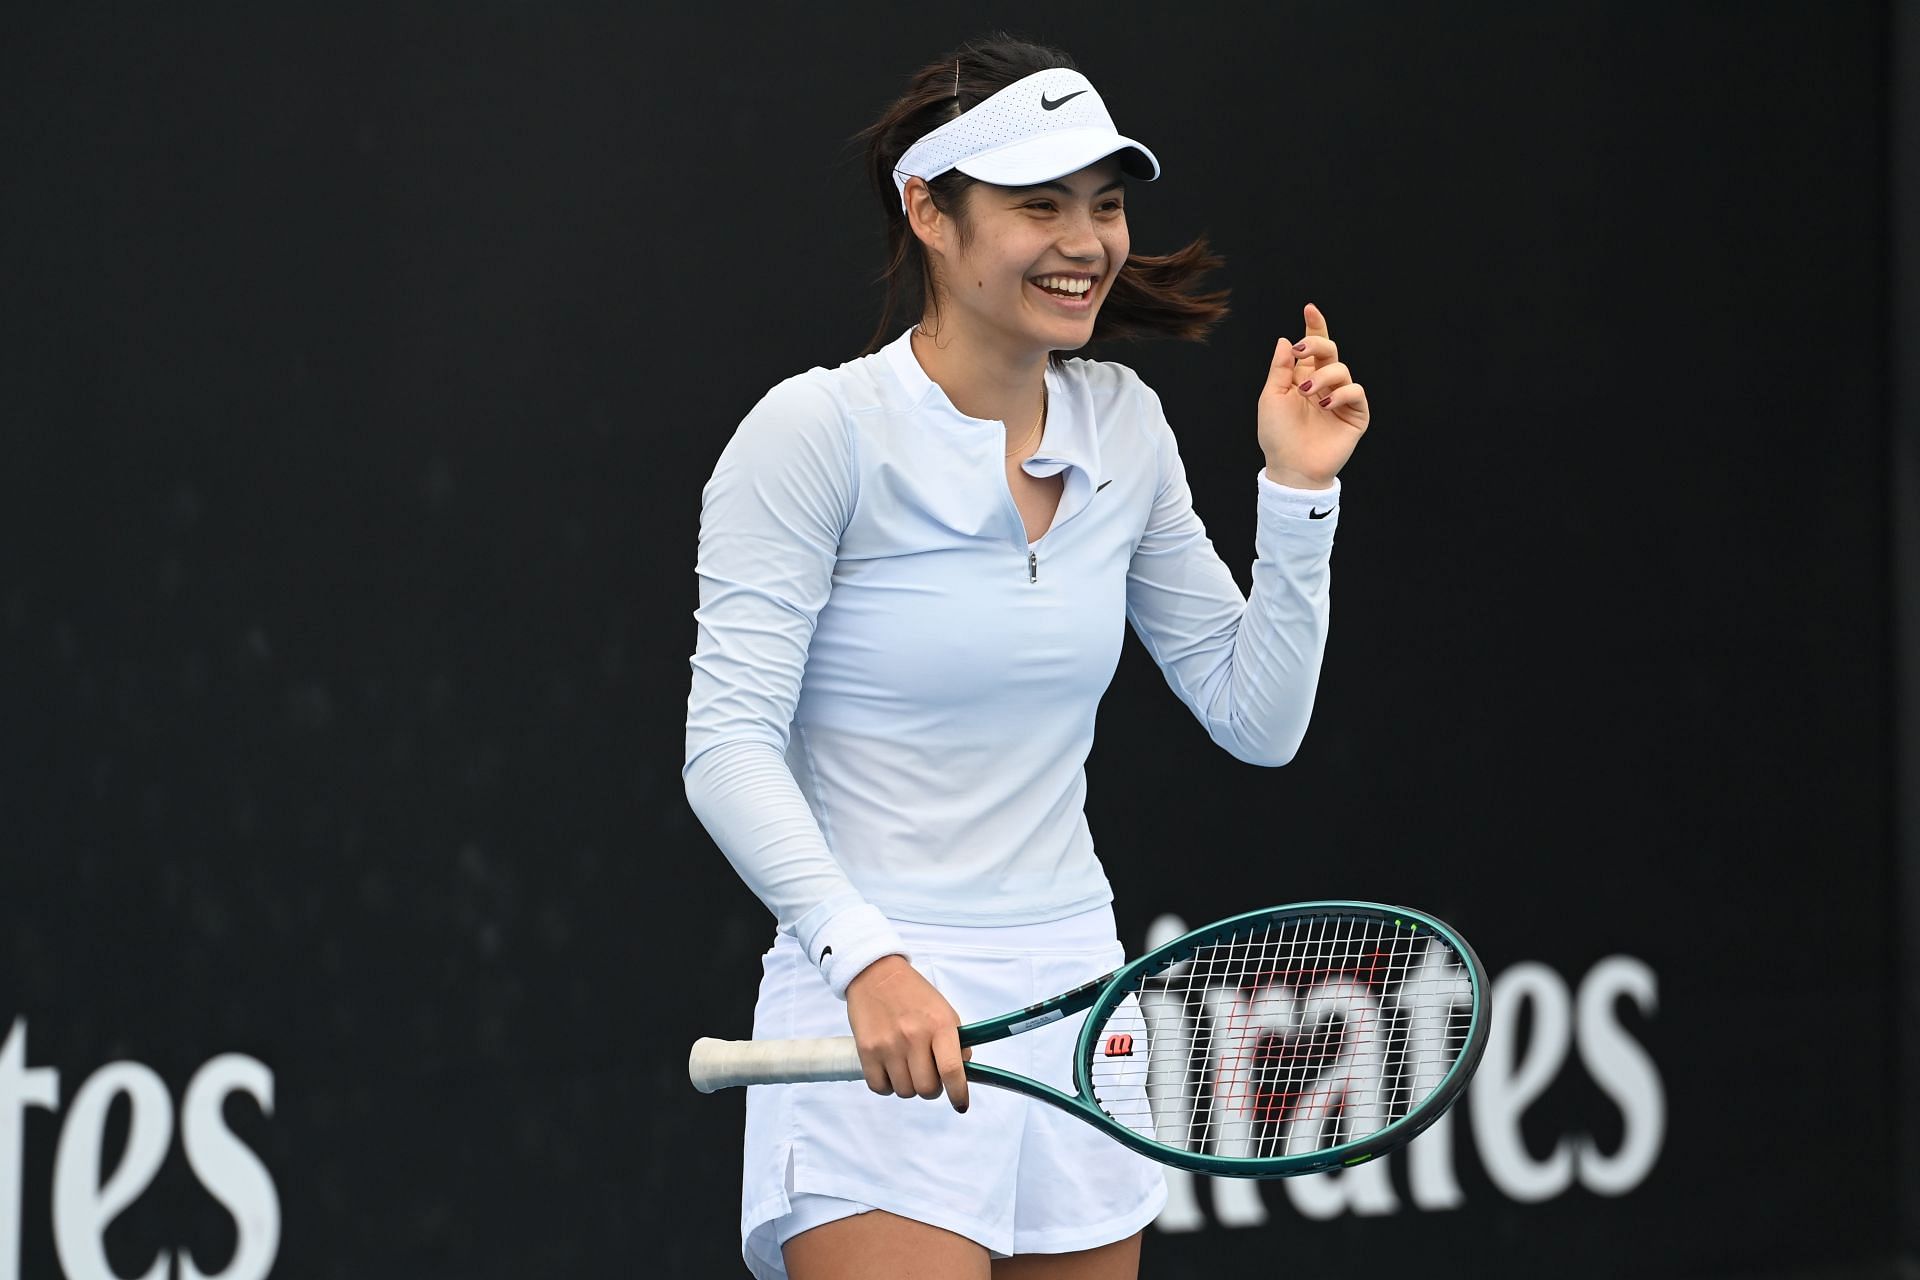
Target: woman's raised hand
column 1312, row 412
column 907, row 1033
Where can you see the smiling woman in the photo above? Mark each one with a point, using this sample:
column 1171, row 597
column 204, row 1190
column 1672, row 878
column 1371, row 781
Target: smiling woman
column 1147, row 295
column 916, row 571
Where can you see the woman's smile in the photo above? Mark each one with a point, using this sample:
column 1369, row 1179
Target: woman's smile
column 1072, row 293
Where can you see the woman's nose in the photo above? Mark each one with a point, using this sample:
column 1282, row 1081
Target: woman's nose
column 1078, row 239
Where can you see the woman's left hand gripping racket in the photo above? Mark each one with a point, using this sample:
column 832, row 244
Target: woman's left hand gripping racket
column 1279, row 1042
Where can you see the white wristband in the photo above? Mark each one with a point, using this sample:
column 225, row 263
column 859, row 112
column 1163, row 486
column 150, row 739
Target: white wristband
column 1302, row 504
column 849, row 942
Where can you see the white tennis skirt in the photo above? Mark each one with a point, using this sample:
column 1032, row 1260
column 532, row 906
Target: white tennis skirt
column 1016, row 1175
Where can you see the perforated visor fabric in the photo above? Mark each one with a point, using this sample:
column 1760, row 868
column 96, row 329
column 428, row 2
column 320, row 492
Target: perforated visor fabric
column 1036, row 129
column 1052, row 155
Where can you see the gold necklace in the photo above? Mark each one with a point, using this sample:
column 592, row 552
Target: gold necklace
column 1036, row 426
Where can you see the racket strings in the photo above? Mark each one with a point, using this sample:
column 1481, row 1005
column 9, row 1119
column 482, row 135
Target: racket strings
column 1286, row 1036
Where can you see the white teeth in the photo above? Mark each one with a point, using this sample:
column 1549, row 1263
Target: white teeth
column 1064, row 283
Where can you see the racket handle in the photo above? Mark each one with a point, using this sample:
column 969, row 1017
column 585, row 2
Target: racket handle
column 723, row 1064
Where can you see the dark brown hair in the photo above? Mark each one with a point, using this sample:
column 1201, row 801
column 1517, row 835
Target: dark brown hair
column 1153, row 296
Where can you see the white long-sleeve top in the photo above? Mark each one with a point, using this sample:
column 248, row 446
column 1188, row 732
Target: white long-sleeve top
column 894, row 692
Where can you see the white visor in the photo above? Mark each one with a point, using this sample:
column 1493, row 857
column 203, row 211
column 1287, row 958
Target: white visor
column 1046, row 126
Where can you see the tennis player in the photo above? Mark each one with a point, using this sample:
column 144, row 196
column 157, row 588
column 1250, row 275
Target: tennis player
column 915, row 573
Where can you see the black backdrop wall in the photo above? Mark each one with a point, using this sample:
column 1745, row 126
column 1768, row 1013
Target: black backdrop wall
column 1904, row 487
column 361, row 371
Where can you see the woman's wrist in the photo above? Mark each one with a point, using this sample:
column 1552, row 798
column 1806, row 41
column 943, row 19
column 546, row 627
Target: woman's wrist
column 879, row 968
column 1297, row 479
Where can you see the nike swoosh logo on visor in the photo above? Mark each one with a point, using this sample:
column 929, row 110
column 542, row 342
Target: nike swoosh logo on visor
column 1103, row 484
column 1058, row 102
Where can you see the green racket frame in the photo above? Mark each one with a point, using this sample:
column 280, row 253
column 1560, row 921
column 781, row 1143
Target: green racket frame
column 1102, row 995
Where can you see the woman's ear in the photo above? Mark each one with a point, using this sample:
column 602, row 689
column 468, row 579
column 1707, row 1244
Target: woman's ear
column 925, row 221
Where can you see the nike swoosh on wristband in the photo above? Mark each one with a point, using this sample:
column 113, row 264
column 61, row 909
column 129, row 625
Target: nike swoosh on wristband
column 1318, row 515
column 1103, row 484
column 1058, row 102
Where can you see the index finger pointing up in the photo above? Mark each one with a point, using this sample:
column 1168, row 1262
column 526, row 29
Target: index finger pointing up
column 1316, row 319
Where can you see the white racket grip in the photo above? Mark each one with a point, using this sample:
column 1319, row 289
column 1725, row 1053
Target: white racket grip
column 724, row 1064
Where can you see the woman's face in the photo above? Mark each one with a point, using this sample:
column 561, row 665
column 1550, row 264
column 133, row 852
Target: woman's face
column 1039, row 260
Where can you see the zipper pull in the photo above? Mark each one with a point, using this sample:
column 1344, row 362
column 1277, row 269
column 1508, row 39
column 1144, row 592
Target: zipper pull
column 1033, row 567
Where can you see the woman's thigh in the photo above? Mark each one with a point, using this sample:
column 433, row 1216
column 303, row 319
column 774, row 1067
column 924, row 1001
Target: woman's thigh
column 883, row 1246
column 1117, row 1261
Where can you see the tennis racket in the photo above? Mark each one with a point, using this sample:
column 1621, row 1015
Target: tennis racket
column 1285, row 1041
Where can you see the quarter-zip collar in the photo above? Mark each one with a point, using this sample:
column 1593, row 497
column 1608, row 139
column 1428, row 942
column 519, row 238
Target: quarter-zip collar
column 1068, row 443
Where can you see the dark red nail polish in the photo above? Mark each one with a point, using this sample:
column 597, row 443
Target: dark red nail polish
column 1307, row 385
column 1326, row 402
